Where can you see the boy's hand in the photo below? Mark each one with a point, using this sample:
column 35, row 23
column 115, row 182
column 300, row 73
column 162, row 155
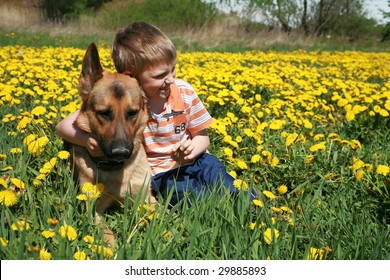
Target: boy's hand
column 93, row 147
column 182, row 152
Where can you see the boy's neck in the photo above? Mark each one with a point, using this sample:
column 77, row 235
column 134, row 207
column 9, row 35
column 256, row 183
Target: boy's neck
column 156, row 106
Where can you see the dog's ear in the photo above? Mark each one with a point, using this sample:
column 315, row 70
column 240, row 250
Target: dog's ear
column 91, row 71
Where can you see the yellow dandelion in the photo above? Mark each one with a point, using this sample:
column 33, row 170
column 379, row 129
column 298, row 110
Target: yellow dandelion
column 38, row 111
column 252, row 226
column 267, row 154
column 48, row 166
column 233, row 174
column 315, row 254
column 258, row 202
column 277, row 124
column 282, row 189
column 8, row 197
column 269, row 194
column 286, row 209
column 288, row 219
column 29, row 138
column 277, row 210
column 359, row 175
column 3, row 183
column 91, row 191
column 329, row 176
column 228, row 152
column 36, row 182
column 369, row 166
column 307, row 124
column 20, row 225
column 350, row 116
column 384, row 113
column 89, row 239
column 167, row 235
column 7, row 168
column 357, row 164
column 80, row 256
column 240, row 184
column 107, row 252
column 383, row 170
column 68, row 232
column 18, row 183
column 16, row 150
column 241, row 164
column 3, row 242
column 248, row 132
column 38, row 146
column 63, row 154
column 255, row 158
column 355, row 144
column 333, row 135
column 48, row 234
column 291, row 138
column 342, row 102
column 44, row 255
column 318, row 137
column 23, row 123
column 270, row 235
column 309, row 159
column 82, row 197
column 149, row 207
column 52, row 221
column 318, row 147
column 275, row 161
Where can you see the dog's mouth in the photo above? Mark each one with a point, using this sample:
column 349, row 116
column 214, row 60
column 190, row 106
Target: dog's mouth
column 108, row 164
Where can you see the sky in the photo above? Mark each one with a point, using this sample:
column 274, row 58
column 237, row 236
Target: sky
column 373, row 8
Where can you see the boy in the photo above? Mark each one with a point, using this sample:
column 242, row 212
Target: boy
column 175, row 138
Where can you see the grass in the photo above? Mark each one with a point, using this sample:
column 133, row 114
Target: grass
column 259, row 100
column 191, row 41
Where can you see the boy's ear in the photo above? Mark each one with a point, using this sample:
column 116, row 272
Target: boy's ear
column 91, row 71
column 128, row 73
column 144, row 101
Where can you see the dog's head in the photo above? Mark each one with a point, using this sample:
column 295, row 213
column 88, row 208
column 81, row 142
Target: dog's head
column 113, row 108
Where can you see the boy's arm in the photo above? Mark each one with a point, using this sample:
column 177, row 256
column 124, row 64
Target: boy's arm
column 191, row 148
column 69, row 131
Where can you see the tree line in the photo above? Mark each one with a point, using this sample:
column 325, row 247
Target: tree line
column 347, row 18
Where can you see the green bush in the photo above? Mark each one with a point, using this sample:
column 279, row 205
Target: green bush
column 167, row 14
column 58, row 10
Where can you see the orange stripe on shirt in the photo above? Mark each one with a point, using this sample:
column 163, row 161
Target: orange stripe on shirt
column 183, row 114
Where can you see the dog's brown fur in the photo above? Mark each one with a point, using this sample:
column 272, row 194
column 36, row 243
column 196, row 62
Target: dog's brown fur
column 114, row 111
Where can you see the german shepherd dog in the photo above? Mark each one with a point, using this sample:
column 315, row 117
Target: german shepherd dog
column 114, row 111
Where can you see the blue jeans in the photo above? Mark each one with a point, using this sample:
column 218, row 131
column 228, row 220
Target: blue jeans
column 197, row 180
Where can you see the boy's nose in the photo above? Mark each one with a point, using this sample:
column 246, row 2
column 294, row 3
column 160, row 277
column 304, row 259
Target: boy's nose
column 170, row 79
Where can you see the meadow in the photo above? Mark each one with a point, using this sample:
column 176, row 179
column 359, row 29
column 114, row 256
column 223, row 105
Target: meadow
column 309, row 130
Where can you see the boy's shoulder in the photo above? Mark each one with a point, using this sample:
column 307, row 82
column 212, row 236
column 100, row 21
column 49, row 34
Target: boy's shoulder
column 183, row 84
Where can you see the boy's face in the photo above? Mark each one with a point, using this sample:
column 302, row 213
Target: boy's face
column 155, row 81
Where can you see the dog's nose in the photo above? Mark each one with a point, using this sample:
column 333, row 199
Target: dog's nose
column 120, row 152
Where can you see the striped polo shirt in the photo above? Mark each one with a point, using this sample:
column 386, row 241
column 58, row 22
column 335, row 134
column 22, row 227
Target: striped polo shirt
column 184, row 114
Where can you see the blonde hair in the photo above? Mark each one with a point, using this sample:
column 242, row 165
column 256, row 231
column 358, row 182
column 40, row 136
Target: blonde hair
column 139, row 46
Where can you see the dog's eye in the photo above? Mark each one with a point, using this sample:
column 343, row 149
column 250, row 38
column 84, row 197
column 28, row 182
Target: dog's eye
column 131, row 114
column 105, row 114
